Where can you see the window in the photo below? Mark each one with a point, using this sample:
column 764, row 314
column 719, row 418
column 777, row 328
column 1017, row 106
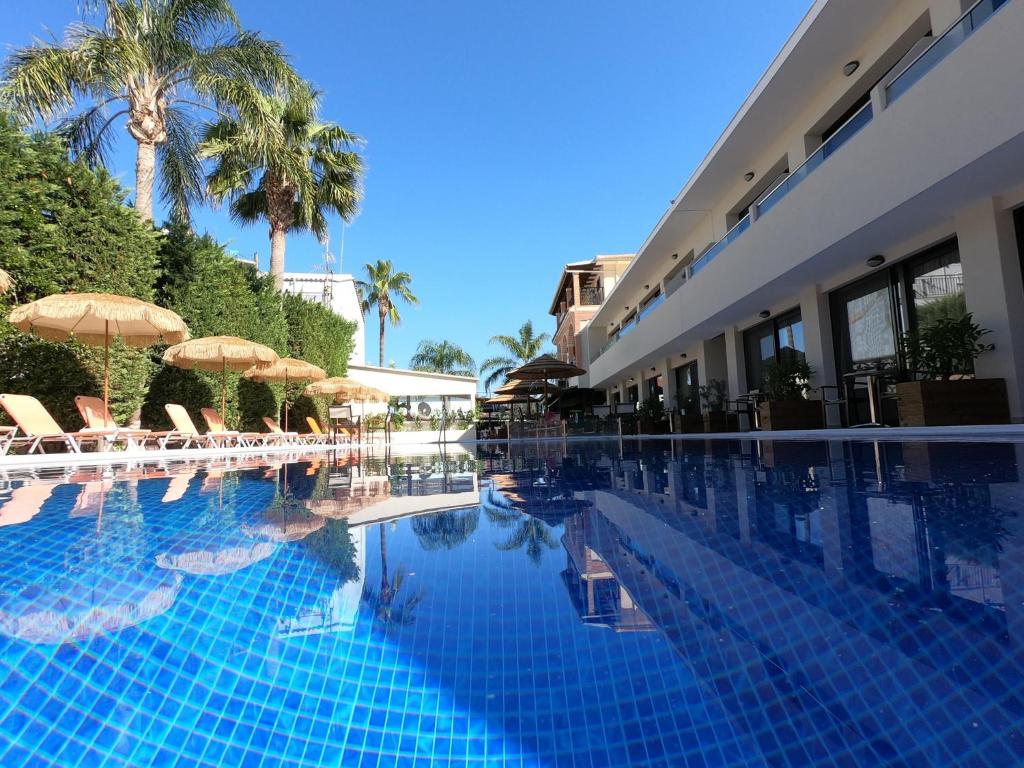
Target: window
column 777, row 338
column 935, row 286
column 864, row 322
column 687, row 389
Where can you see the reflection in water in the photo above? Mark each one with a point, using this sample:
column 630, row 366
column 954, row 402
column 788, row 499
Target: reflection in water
column 721, row 603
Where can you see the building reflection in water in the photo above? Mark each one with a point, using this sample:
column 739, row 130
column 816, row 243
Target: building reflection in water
column 868, row 597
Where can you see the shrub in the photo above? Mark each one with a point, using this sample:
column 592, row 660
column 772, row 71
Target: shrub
column 786, row 378
column 945, row 347
column 65, row 227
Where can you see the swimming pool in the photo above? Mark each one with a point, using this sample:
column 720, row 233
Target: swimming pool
column 678, row 604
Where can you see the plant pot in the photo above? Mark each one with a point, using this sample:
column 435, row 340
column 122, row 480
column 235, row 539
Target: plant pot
column 790, row 414
column 963, row 402
column 653, row 427
column 721, row 421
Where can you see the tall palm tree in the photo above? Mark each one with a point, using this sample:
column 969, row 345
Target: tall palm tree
column 533, row 534
column 152, row 64
column 382, row 287
column 519, row 350
column 442, row 357
column 293, row 177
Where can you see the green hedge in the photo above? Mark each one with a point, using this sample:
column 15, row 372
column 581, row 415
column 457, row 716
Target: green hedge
column 65, row 227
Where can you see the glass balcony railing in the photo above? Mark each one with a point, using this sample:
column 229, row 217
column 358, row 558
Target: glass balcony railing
column 651, row 306
column 942, row 47
column 731, row 236
column 848, row 130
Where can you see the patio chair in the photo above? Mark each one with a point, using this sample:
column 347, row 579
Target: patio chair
column 215, row 426
column 97, row 418
column 39, row 428
column 282, row 436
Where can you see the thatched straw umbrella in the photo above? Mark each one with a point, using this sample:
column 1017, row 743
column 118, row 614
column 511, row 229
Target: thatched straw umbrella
column 346, row 391
column 287, row 369
column 96, row 318
column 6, row 282
column 282, row 525
column 220, row 353
column 204, row 555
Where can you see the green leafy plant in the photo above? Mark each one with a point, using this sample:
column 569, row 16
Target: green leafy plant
column 944, row 348
column 651, row 409
column 712, row 396
column 788, row 377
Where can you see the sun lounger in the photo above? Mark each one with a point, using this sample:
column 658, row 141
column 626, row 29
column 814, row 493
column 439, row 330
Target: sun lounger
column 184, row 430
column 321, row 436
column 216, row 427
column 177, row 488
column 309, row 437
column 39, row 429
column 97, row 419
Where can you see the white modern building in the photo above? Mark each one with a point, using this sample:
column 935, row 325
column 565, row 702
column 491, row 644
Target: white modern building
column 337, row 292
column 876, row 169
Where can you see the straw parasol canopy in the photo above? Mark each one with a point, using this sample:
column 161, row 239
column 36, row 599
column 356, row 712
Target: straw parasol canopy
column 282, row 525
column 287, row 369
column 346, row 390
column 96, row 318
column 543, row 368
column 6, row 282
column 204, row 555
column 220, row 353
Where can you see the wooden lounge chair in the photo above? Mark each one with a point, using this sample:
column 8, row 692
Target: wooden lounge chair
column 281, row 436
column 215, row 426
column 38, row 427
column 177, row 488
column 97, row 418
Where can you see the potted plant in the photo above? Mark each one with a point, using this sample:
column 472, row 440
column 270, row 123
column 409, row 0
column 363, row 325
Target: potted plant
column 785, row 384
column 942, row 389
column 651, row 415
column 712, row 402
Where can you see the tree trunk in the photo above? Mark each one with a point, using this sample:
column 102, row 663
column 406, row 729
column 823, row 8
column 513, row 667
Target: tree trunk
column 383, row 316
column 277, row 244
column 145, row 176
column 385, row 585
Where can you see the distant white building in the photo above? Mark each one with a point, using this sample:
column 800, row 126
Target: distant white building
column 338, row 292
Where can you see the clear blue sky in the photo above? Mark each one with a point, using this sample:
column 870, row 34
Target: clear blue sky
column 503, row 138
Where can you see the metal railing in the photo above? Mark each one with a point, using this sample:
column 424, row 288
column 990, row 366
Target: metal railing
column 846, row 131
column 730, row 237
column 943, row 45
column 591, row 297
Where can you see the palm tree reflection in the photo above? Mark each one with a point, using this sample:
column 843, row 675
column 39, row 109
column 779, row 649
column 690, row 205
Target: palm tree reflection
column 393, row 605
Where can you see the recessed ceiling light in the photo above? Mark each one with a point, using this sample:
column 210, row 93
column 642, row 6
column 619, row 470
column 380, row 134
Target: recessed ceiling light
column 749, row 175
column 647, row 287
column 675, row 256
column 851, row 67
column 876, row 261
column 765, row 313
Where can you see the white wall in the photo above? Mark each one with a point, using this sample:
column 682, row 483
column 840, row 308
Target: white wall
column 339, row 293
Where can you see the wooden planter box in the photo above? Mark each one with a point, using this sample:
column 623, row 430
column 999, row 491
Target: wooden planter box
column 964, row 402
column 720, row 421
column 790, row 414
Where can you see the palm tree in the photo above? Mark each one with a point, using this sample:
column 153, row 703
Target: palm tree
column 442, row 357
column 292, row 177
column 152, row 63
column 520, row 350
column 533, row 534
column 380, row 289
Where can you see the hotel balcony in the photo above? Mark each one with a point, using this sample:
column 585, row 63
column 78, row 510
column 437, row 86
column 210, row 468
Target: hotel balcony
column 940, row 132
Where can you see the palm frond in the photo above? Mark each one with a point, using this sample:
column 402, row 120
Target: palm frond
column 89, row 136
column 181, row 173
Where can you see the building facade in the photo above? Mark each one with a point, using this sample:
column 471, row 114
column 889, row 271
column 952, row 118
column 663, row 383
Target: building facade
column 338, row 292
column 581, row 291
column 873, row 178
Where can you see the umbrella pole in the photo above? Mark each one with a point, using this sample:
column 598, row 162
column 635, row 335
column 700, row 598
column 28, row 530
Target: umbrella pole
column 286, row 401
column 106, row 368
column 224, row 390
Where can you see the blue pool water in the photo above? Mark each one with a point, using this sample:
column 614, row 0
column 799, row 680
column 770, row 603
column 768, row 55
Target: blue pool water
column 677, row 604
